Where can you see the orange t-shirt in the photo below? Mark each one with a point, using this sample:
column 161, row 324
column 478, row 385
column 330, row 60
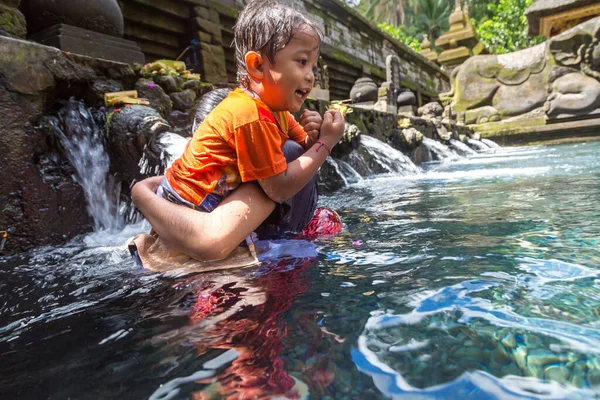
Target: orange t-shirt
column 239, row 141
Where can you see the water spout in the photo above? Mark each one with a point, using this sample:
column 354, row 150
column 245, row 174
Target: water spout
column 82, row 138
column 443, row 152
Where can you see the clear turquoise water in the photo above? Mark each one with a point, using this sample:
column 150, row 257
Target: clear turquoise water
column 476, row 279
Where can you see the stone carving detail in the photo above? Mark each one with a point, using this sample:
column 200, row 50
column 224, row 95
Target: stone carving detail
column 321, row 75
column 560, row 77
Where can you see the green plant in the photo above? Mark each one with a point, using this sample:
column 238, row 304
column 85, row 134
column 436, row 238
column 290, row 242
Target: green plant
column 399, row 33
column 506, row 30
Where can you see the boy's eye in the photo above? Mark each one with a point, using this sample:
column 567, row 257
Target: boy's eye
column 303, row 62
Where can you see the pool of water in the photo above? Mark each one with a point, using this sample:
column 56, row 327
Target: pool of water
column 473, row 279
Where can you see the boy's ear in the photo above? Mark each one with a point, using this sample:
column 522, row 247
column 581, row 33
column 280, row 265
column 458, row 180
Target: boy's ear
column 254, row 64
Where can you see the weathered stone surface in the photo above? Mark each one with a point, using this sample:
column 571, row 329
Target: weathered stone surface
column 132, row 133
column 183, row 101
column 364, row 89
column 97, row 16
column 490, row 88
column 12, row 22
column 182, row 122
column 11, row 3
column 157, row 97
column 214, row 69
column 431, row 110
column 100, row 87
column 168, row 83
column 22, row 66
column 40, row 204
column 214, row 29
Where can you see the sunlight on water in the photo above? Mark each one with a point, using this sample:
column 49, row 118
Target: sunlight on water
column 470, row 279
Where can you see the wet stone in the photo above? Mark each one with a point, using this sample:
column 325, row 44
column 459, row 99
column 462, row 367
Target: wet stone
column 183, row 101
column 558, row 373
column 509, row 341
column 541, row 357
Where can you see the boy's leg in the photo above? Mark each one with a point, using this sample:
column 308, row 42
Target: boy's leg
column 293, row 214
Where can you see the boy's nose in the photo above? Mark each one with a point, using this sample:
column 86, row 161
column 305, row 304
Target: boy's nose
column 310, row 76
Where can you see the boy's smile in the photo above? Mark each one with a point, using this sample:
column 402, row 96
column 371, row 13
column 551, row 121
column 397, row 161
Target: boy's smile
column 287, row 82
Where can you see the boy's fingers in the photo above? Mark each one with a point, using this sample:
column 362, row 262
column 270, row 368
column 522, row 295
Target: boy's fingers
column 338, row 117
column 327, row 118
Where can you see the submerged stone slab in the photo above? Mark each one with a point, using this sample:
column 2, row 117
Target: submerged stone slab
column 84, row 42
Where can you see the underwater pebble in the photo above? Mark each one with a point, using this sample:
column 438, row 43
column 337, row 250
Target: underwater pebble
column 501, row 356
column 578, row 374
column 520, row 356
column 532, row 341
column 541, row 357
column 558, row 373
column 593, row 377
column 509, row 341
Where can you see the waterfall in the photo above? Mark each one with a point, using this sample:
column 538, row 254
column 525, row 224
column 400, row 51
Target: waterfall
column 492, row 145
column 443, row 152
column 388, row 158
column 462, row 148
column 82, row 139
column 349, row 173
column 333, row 163
column 478, row 145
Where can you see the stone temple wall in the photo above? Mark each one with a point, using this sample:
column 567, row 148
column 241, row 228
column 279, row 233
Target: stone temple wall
column 353, row 47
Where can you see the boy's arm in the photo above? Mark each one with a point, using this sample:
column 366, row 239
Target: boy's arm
column 299, row 172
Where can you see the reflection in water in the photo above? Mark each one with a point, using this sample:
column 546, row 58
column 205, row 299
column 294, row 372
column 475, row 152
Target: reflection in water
column 475, row 279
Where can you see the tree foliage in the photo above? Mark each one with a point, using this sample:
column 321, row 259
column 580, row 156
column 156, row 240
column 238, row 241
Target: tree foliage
column 500, row 24
column 506, row 30
column 399, row 33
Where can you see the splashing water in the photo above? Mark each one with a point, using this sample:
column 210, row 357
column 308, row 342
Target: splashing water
column 478, row 144
column 172, row 146
column 82, row 138
column 460, row 147
column 389, row 158
column 491, row 144
column 443, row 152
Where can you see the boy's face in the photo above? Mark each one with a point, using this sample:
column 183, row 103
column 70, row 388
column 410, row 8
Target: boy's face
column 288, row 81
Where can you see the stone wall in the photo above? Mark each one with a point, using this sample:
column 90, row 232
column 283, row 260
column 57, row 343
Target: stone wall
column 353, row 47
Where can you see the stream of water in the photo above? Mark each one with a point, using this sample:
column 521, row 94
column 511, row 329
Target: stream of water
column 471, row 279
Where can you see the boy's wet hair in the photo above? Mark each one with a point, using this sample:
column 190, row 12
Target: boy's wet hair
column 266, row 26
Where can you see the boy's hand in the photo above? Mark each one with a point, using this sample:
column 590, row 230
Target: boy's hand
column 311, row 122
column 332, row 128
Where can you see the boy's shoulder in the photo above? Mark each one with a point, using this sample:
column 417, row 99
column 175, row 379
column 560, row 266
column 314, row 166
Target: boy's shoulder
column 239, row 109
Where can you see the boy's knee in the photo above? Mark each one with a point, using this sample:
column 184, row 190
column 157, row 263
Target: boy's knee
column 292, row 150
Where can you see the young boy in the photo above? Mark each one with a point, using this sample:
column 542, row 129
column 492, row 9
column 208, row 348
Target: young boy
column 251, row 135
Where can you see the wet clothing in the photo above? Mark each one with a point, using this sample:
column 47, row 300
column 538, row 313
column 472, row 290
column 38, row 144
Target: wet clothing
column 241, row 140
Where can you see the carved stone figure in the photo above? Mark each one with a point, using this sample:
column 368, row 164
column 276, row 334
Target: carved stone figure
column 560, row 75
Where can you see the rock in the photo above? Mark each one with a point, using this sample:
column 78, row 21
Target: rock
column 364, row 90
column 182, row 122
column 431, row 111
column 11, row 3
column 558, row 373
column 99, row 16
column 157, row 97
column 406, row 139
column 329, row 179
column 12, row 22
column 100, row 87
column 183, row 101
column 132, row 134
column 350, row 141
column 169, row 83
